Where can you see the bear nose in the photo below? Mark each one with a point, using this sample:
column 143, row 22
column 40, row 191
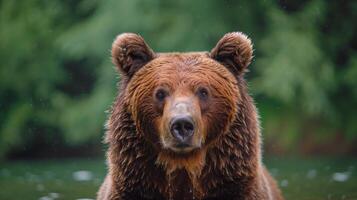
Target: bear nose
column 182, row 128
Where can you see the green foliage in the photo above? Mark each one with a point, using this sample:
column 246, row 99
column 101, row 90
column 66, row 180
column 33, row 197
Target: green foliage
column 56, row 79
column 28, row 70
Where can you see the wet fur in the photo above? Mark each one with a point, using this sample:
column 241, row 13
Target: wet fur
column 228, row 166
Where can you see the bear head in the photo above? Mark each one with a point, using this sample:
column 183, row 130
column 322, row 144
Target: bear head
column 181, row 103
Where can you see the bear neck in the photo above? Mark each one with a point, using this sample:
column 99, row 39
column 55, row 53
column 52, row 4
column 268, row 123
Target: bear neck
column 231, row 162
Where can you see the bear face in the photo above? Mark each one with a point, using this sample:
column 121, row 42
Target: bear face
column 175, row 94
column 177, row 99
column 181, row 102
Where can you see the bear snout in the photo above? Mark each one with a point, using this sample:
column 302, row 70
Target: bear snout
column 182, row 128
column 181, row 121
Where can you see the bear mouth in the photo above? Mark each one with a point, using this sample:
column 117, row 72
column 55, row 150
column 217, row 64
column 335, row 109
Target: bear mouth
column 178, row 146
column 182, row 148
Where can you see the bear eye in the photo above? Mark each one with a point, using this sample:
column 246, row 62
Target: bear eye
column 202, row 93
column 160, row 95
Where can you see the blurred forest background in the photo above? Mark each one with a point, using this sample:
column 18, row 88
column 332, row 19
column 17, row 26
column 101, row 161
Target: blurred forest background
column 57, row 79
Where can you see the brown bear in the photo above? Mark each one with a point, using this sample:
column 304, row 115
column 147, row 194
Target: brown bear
column 184, row 126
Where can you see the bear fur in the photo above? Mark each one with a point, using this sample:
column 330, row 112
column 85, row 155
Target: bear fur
column 226, row 164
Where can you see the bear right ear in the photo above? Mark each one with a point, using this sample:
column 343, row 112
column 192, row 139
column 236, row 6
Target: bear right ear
column 130, row 53
column 235, row 51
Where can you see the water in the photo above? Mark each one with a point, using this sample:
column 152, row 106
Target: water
column 51, row 180
column 303, row 179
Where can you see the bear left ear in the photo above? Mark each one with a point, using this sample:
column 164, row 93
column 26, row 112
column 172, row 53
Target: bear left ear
column 235, row 51
column 130, row 53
